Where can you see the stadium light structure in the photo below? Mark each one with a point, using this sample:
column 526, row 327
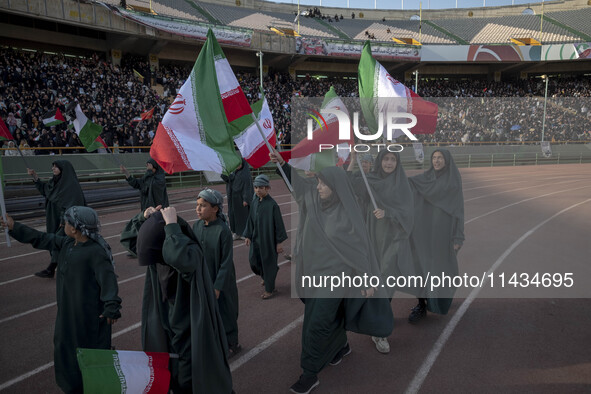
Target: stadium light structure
column 545, row 76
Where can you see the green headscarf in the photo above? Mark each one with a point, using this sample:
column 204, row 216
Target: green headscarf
column 85, row 220
column 215, row 199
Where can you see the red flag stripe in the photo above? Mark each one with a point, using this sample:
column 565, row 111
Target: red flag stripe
column 260, row 156
column 168, row 152
column 235, row 104
column 4, row 132
column 160, row 379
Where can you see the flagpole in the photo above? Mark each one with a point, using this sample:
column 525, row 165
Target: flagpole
column 271, row 150
column 22, row 156
column 373, row 200
column 3, row 207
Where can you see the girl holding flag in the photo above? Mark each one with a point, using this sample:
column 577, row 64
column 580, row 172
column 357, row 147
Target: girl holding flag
column 86, row 287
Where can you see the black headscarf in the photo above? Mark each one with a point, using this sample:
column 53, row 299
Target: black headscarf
column 345, row 237
column 442, row 188
column 392, row 191
column 150, row 240
column 64, row 189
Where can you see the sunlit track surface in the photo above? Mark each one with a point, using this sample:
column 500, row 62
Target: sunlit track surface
column 498, row 345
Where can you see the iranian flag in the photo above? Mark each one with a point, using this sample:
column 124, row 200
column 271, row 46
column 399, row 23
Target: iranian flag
column 120, row 371
column 86, row 130
column 53, row 118
column 250, row 142
column 306, row 155
column 198, row 129
column 380, row 93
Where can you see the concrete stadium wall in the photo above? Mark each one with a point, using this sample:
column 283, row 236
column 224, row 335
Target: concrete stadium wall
column 96, row 166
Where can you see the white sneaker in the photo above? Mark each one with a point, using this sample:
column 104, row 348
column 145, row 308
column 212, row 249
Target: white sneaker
column 382, row 344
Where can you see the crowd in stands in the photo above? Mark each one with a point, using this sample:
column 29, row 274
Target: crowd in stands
column 33, row 84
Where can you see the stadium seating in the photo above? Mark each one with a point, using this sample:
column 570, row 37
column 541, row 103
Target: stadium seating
column 499, row 30
column 251, row 19
column 356, row 28
column 579, row 19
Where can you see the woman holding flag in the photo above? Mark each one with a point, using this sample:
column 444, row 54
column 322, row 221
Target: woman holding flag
column 332, row 240
column 390, row 223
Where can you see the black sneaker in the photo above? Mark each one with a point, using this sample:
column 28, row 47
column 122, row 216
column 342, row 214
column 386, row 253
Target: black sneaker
column 417, row 313
column 45, row 274
column 305, row 384
column 345, row 351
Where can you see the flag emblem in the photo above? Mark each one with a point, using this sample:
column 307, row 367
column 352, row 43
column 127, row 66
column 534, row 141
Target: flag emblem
column 178, row 106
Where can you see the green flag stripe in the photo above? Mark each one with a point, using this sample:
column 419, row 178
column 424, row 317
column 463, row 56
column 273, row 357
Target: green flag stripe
column 99, row 369
column 209, row 107
column 89, row 133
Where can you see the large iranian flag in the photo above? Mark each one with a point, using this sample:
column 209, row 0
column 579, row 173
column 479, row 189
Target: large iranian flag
column 120, row 371
column 198, row 129
column 306, row 155
column 380, row 93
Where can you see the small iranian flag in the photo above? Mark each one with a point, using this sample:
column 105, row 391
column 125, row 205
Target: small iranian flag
column 250, row 142
column 379, row 94
column 86, row 130
column 120, row 371
column 53, row 118
column 197, row 131
column 306, row 155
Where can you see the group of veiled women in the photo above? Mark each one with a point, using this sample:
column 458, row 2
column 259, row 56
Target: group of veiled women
column 381, row 224
column 413, row 226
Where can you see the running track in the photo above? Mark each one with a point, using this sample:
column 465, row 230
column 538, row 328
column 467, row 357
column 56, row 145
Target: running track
column 518, row 219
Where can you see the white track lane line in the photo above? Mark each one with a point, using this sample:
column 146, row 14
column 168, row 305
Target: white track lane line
column 119, row 283
column 424, row 369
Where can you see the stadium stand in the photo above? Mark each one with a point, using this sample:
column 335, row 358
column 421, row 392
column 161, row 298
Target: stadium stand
column 579, row 20
column 172, row 8
column 251, row 19
column 356, row 28
column 500, row 30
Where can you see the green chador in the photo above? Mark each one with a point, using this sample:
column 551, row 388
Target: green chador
column 333, row 241
column 179, row 310
column 265, row 229
column 239, row 190
column 61, row 192
column 390, row 235
column 438, row 225
column 216, row 240
column 86, row 287
column 152, row 187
